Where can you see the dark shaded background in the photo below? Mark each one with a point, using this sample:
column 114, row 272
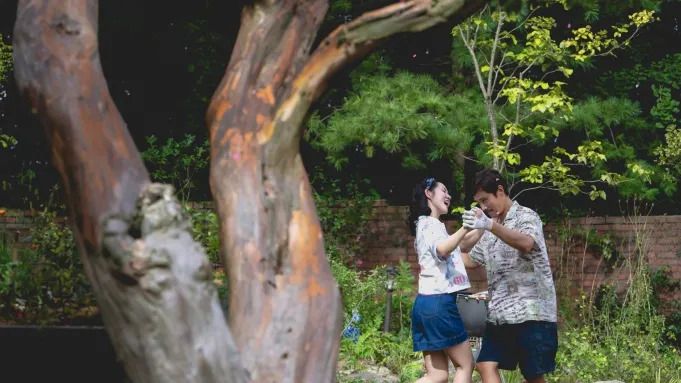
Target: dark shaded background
column 163, row 60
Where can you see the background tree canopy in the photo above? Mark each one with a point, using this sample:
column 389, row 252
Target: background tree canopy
column 412, row 108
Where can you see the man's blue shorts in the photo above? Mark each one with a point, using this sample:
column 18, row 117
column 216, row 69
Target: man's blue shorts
column 531, row 344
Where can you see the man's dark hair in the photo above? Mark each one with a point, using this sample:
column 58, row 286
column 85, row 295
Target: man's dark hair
column 489, row 180
column 419, row 202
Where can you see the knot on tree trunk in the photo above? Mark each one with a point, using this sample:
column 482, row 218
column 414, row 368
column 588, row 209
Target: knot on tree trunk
column 158, row 209
column 143, row 249
column 63, row 24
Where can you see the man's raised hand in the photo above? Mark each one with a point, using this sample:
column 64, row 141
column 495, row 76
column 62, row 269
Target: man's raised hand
column 476, row 219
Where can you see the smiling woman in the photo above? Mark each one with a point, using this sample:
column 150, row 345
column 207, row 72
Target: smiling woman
column 437, row 328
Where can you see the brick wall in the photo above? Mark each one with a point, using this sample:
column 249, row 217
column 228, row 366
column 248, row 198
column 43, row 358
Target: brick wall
column 389, row 242
column 581, row 267
column 15, row 226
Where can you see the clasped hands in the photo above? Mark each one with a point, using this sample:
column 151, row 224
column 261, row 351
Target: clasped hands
column 476, row 219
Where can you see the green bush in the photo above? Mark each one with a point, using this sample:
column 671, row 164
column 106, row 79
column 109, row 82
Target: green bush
column 344, row 209
column 620, row 336
column 586, row 355
column 45, row 283
column 366, row 296
column 205, row 230
column 177, row 162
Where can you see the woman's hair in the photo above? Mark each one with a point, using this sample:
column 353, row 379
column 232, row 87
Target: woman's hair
column 489, row 180
column 419, row 202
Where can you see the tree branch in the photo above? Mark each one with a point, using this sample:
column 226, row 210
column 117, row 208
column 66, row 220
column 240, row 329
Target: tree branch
column 353, row 40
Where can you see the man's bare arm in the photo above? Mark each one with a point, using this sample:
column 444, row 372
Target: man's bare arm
column 513, row 238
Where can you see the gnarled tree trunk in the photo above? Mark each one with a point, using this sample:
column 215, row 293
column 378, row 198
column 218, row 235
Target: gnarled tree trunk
column 150, row 278
column 152, row 281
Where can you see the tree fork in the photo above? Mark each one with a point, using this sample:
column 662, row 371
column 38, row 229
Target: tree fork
column 150, row 278
column 272, row 238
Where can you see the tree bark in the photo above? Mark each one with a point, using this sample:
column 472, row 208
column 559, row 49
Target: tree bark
column 280, row 278
column 152, row 281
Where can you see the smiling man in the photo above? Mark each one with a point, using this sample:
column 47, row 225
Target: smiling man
column 509, row 241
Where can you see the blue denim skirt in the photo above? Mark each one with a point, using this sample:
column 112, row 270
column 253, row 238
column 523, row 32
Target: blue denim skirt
column 436, row 323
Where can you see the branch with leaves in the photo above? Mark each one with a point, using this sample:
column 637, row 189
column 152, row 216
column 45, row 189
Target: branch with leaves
column 522, row 71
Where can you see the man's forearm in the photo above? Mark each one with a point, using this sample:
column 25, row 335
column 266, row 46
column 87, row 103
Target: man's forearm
column 513, row 238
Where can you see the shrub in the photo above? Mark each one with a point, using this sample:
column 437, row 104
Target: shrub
column 45, row 283
column 344, row 210
column 177, row 162
column 205, row 230
column 364, row 301
column 620, row 336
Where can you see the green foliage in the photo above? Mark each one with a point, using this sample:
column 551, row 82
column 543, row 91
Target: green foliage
column 366, row 296
column 605, row 245
column 618, row 336
column 5, row 67
column 673, row 322
column 665, row 72
column 585, row 43
column 663, row 284
column 522, row 73
column 406, row 115
column 5, row 60
column 669, row 154
column 585, row 356
column 412, row 371
column 666, row 109
column 176, row 162
column 344, row 209
column 205, row 229
column 45, row 283
column 7, row 141
column 222, row 284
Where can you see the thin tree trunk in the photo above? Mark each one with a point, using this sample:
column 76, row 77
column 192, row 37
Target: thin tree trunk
column 152, row 281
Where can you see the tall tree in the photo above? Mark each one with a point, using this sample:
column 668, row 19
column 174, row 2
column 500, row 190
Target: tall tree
column 150, row 278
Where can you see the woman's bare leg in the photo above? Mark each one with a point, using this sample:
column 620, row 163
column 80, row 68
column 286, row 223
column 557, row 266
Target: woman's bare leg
column 489, row 372
column 462, row 357
column 437, row 367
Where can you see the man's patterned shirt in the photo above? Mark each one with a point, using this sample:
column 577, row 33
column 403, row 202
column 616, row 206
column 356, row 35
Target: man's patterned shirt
column 520, row 284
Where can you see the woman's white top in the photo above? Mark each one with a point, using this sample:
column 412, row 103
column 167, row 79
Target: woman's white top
column 438, row 275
